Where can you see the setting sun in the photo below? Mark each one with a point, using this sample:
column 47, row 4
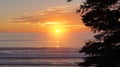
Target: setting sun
column 58, row 30
column 44, row 33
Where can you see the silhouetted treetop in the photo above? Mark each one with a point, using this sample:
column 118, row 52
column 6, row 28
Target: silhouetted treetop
column 102, row 20
column 102, row 16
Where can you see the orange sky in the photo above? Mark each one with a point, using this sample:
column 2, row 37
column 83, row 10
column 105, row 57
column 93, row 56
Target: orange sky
column 60, row 16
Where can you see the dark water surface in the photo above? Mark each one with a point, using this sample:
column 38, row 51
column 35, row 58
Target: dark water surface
column 39, row 57
column 39, row 49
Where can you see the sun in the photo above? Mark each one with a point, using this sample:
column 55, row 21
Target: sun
column 58, row 30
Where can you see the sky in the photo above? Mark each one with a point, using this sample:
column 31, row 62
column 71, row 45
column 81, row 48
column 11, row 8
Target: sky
column 40, row 16
column 54, row 17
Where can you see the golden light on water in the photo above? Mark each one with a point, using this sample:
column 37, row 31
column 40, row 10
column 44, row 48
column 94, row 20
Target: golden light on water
column 57, row 46
column 58, row 37
column 58, row 31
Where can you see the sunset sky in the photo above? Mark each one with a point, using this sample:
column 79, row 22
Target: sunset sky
column 40, row 16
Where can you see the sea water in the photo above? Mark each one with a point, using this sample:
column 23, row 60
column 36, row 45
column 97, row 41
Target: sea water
column 38, row 50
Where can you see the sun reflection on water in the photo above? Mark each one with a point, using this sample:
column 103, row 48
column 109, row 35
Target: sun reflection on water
column 57, row 44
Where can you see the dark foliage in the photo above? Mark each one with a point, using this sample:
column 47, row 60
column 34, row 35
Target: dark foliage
column 69, row 0
column 103, row 17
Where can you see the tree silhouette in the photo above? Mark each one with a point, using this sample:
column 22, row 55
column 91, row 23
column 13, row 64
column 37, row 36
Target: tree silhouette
column 103, row 17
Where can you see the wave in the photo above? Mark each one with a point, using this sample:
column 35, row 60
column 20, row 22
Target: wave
column 46, row 56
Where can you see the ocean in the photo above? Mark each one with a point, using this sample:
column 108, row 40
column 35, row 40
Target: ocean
column 39, row 57
column 40, row 50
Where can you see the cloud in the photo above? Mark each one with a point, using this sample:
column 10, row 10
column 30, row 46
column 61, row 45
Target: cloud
column 63, row 15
